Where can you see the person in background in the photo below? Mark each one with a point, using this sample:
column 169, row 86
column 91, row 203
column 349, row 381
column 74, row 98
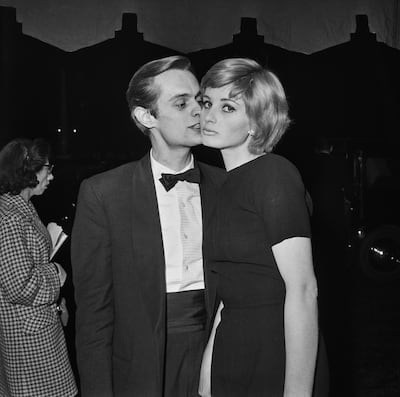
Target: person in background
column 33, row 355
column 137, row 255
column 264, row 340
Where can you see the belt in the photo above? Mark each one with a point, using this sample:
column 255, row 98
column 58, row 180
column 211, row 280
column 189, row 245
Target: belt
column 186, row 311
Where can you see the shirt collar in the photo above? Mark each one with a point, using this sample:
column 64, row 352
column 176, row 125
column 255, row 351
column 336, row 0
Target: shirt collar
column 159, row 168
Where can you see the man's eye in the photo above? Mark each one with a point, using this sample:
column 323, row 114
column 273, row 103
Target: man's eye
column 228, row 108
column 180, row 105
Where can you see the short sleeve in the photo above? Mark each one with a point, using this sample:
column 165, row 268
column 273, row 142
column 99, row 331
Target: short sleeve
column 284, row 202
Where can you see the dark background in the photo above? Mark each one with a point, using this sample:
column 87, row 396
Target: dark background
column 344, row 102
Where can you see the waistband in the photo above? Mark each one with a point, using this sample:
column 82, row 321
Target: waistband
column 186, row 311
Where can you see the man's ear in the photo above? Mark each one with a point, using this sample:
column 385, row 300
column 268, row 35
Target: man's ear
column 144, row 116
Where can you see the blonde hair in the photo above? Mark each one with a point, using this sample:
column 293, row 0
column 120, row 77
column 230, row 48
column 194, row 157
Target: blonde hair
column 262, row 93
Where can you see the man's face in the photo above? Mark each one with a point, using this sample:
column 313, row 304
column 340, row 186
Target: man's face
column 177, row 123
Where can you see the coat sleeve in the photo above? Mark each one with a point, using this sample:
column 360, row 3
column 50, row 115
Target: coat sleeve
column 23, row 281
column 92, row 277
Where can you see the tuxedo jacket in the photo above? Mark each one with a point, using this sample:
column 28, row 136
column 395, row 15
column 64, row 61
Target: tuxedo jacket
column 119, row 279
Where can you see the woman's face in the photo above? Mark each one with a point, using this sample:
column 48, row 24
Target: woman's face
column 44, row 176
column 224, row 122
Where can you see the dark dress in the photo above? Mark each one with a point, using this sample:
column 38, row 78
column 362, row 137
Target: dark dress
column 262, row 203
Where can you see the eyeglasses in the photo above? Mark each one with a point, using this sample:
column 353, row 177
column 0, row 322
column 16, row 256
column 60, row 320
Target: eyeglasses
column 50, row 168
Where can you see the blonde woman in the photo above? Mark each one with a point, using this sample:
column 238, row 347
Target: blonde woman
column 265, row 336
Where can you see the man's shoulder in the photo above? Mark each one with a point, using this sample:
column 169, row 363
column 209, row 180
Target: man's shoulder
column 114, row 178
column 106, row 177
column 113, row 173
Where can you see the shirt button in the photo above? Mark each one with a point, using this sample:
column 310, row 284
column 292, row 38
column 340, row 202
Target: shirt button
column 185, row 235
column 186, row 267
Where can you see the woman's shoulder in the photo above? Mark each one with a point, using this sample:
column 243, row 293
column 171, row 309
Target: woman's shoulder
column 10, row 217
column 274, row 166
column 10, row 207
column 276, row 160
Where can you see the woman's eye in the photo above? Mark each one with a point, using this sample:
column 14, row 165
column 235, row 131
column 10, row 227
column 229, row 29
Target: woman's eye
column 206, row 104
column 228, row 108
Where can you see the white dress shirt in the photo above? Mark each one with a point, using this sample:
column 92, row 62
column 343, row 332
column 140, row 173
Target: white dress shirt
column 182, row 230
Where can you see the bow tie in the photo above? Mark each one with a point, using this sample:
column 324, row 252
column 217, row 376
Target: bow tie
column 170, row 180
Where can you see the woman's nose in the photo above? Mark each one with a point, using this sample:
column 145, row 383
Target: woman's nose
column 208, row 115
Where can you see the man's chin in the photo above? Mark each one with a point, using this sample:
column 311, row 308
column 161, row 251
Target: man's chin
column 195, row 141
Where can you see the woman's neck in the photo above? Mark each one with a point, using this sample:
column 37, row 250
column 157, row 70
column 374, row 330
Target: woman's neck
column 26, row 194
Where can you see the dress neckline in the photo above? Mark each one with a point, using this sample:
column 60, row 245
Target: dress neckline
column 244, row 165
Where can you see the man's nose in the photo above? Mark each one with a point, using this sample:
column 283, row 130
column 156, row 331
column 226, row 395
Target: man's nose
column 196, row 109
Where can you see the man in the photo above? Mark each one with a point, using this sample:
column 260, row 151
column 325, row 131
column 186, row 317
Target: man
column 137, row 249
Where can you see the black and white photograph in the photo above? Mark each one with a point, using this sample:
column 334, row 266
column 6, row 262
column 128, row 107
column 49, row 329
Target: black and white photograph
column 199, row 198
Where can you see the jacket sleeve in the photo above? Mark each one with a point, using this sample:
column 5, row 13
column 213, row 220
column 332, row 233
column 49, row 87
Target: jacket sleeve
column 23, row 281
column 92, row 277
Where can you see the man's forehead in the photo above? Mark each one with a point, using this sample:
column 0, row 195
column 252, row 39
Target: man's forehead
column 174, row 83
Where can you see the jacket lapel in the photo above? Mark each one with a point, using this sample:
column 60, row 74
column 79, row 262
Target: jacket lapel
column 148, row 249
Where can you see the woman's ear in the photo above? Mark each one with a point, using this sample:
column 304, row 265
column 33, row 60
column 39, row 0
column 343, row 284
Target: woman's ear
column 143, row 116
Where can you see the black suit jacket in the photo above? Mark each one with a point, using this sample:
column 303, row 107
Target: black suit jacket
column 119, row 278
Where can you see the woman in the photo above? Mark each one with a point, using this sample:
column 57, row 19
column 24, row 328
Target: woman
column 265, row 334
column 33, row 354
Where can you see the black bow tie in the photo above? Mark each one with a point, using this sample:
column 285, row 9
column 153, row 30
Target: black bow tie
column 170, row 180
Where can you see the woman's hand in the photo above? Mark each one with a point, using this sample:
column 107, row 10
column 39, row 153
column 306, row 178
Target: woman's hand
column 63, row 311
column 205, row 373
column 62, row 274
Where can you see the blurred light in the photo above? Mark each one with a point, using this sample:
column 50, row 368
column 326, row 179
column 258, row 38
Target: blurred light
column 380, row 253
column 360, row 233
column 383, row 256
column 74, row 130
column 377, row 251
column 58, row 129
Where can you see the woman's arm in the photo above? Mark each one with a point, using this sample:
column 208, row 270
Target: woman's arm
column 294, row 259
column 205, row 371
column 23, row 281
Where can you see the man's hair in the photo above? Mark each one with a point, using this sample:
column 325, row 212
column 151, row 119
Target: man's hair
column 143, row 92
column 20, row 161
column 262, row 93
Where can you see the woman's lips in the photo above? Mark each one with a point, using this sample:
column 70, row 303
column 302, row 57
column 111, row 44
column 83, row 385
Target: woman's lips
column 206, row 131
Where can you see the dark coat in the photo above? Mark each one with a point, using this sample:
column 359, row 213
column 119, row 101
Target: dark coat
column 119, row 277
